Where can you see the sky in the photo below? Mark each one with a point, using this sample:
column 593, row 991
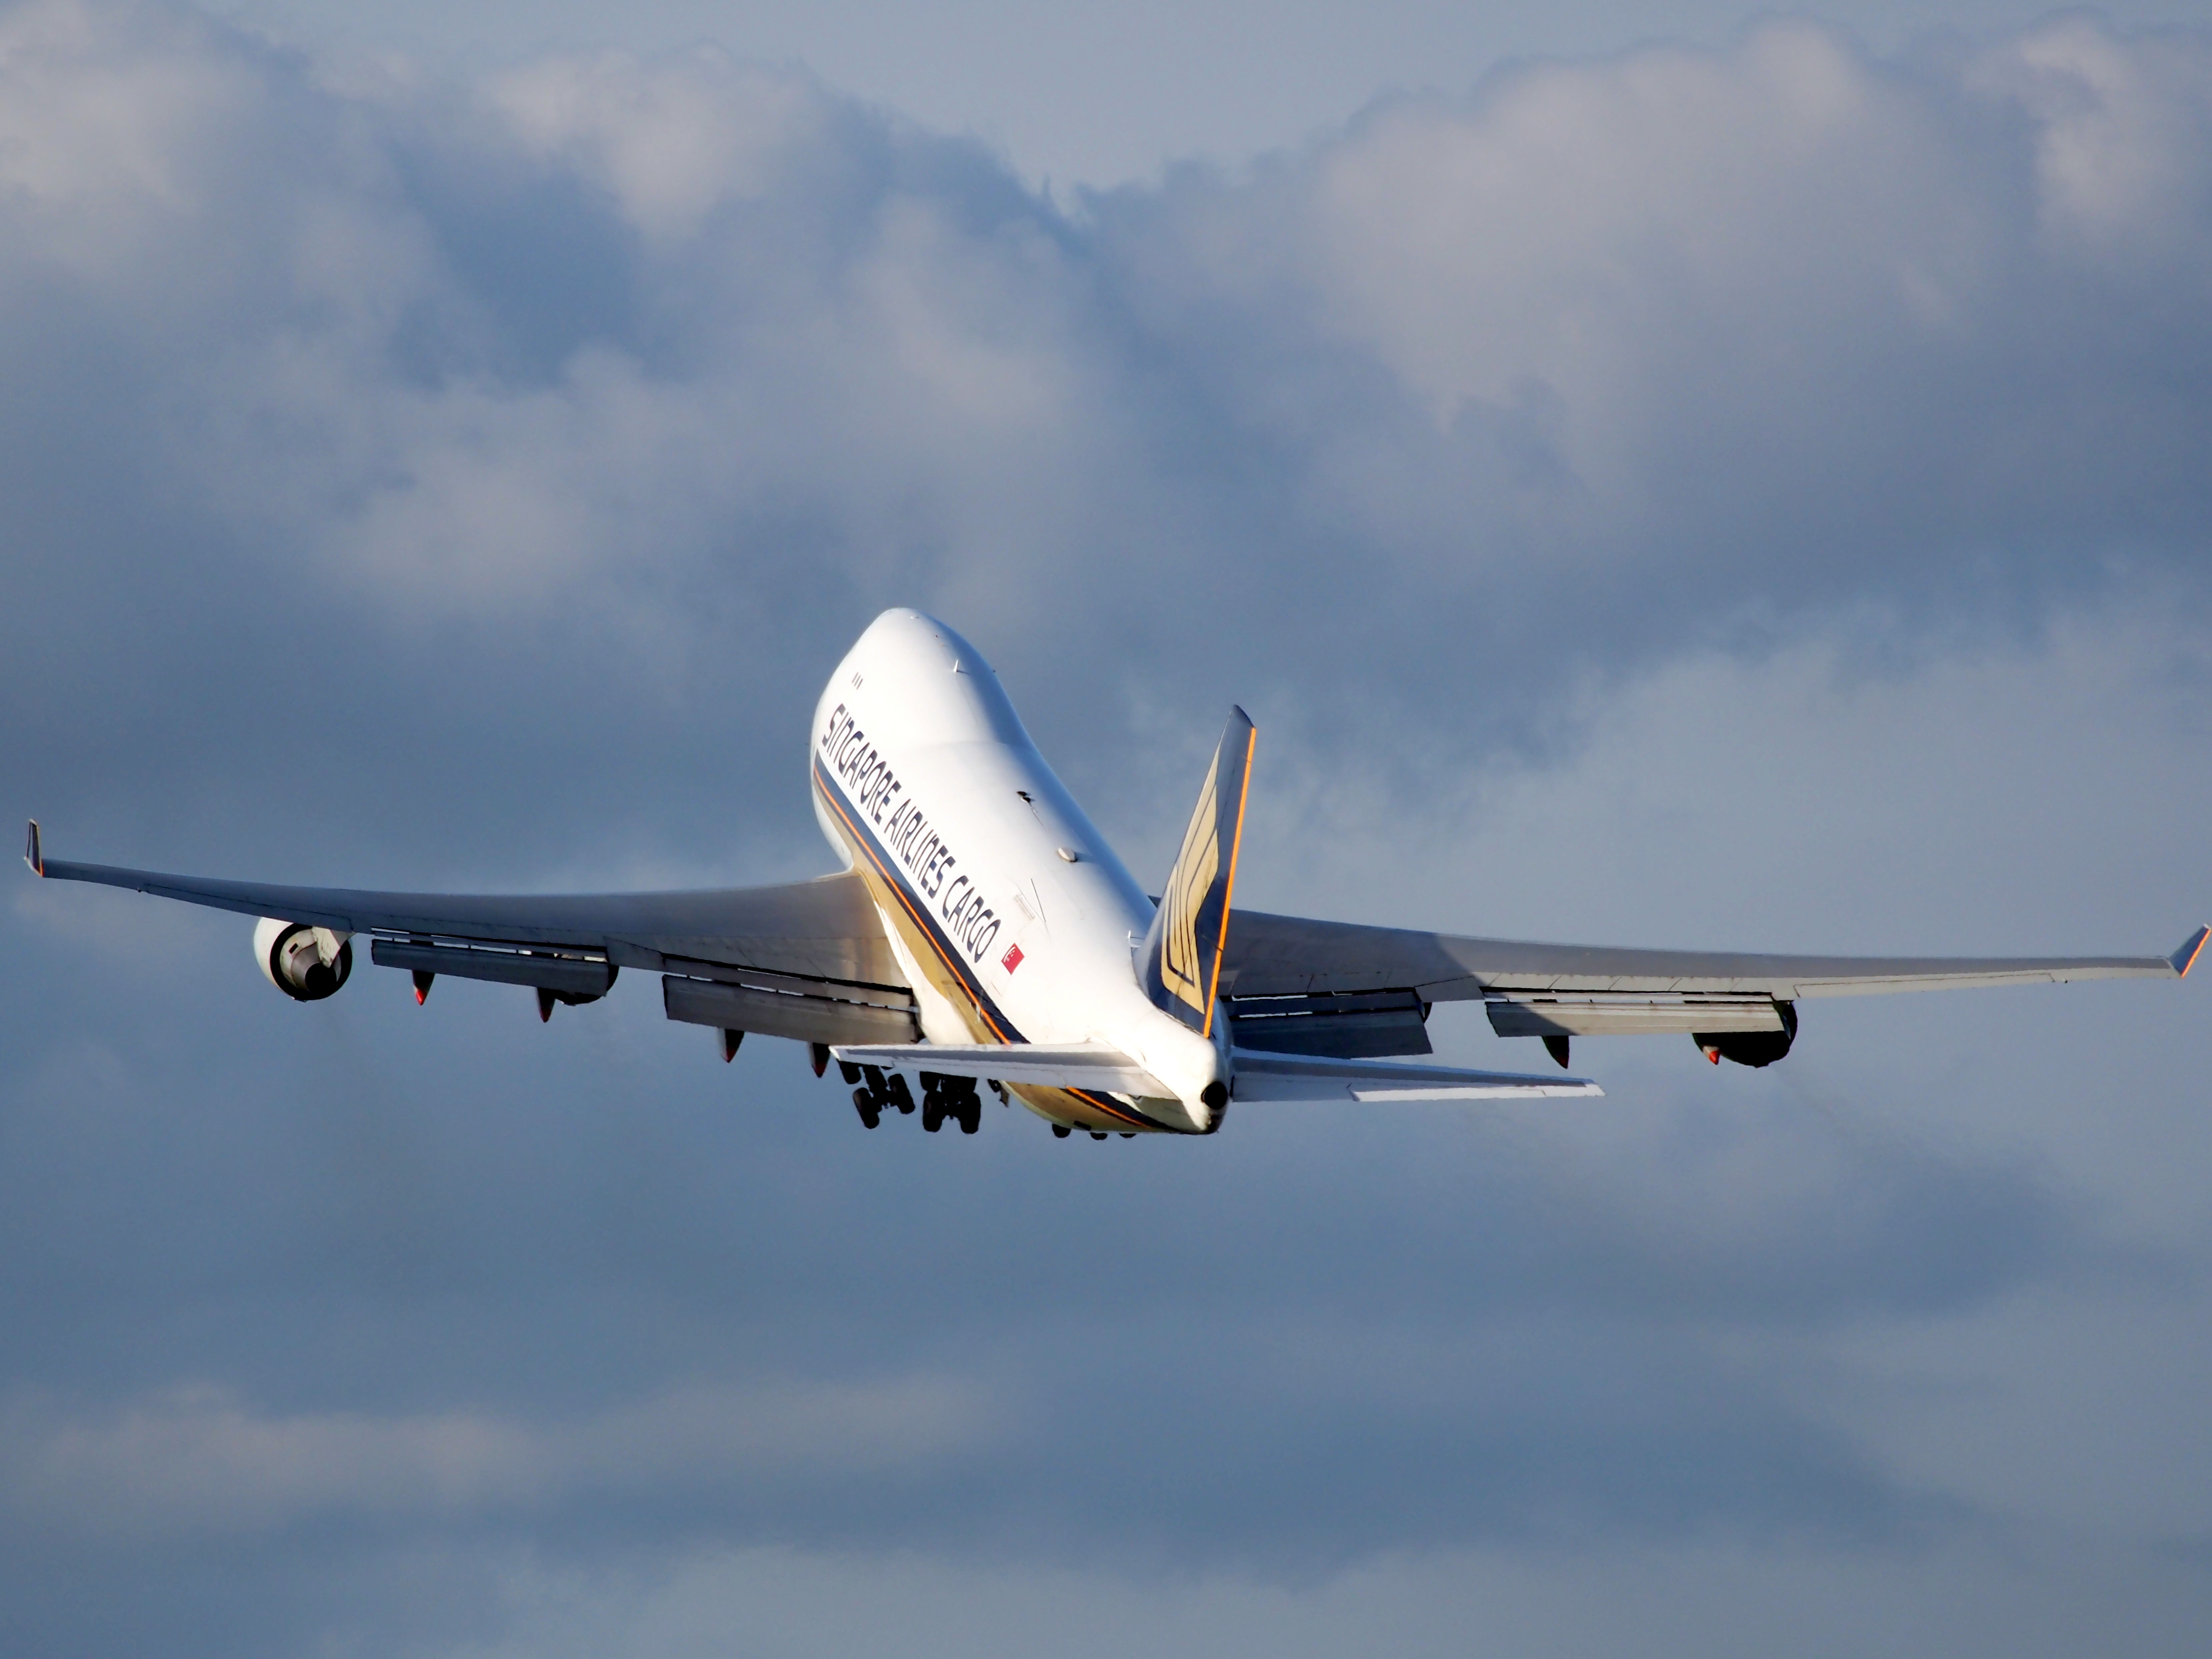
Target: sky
column 1667, row 478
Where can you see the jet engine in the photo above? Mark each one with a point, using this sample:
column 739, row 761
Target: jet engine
column 306, row 963
column 1751, row 1048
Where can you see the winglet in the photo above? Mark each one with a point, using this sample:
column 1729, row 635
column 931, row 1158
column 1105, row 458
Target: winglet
column 2183, row 959
column 32, row 855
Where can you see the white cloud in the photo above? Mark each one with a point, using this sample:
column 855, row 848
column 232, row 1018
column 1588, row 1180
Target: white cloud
column 672, row 140
column 2122, row 138
column 1676, row 333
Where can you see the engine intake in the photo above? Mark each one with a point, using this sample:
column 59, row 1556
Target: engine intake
column 306, row 963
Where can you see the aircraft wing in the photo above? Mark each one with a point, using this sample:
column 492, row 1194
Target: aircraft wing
column 760, row 959
column 1270, row 955
column 1335, row 988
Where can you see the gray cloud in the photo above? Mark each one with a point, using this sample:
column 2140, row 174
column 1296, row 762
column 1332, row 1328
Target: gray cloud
column 1752, row 496
column 625, row 365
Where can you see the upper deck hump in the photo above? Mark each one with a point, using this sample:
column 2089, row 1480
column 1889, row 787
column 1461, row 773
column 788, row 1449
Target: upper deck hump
column 924, row 685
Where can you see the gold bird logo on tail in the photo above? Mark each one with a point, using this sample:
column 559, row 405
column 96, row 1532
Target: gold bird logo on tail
column 1182, row 952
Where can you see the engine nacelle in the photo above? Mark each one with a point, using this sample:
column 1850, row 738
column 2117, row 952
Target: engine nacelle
column 306, row 963
column 1751, row 1048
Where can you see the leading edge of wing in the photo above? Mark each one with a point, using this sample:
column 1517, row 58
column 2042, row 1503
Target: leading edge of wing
column 1275, row 956
column 1271, row 1077
column 831, row 916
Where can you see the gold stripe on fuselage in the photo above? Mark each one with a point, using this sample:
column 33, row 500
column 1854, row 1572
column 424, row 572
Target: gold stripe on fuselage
column 893, row 902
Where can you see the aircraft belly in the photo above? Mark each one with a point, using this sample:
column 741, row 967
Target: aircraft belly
column 947, row 1013
column 1062, row 1106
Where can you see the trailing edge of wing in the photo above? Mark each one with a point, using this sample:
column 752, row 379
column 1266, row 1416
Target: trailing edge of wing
column 1301, row 1077
column 1093, row 1066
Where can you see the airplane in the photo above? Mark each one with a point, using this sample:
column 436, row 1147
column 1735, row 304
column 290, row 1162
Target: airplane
column 982, row 929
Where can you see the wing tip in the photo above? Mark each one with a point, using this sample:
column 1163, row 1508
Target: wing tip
column 33, row 854
column 2183, row 960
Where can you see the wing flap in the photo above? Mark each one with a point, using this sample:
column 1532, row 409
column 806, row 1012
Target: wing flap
column 573, row 974
column 818, row 1013
column 1359, row 1025
column 1629, row 1016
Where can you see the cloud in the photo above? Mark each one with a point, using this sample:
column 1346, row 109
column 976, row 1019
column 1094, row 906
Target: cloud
column 1688, row 1600
column 1732, row 340
column 196, row 1462
column 1750, row 497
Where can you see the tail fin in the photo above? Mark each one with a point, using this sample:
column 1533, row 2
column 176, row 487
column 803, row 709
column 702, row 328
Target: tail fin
column 1182, row 951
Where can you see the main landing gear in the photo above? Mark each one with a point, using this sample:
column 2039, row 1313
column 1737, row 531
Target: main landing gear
column 943, row 1099
column 952, row 1097
column 877, row 1093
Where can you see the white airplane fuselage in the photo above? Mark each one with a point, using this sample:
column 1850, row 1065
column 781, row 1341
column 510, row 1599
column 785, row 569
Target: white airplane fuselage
column 1012, row 918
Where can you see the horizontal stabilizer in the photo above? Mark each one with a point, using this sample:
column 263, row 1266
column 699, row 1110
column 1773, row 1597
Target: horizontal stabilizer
column 1093, row 1066
column 1301, row 1077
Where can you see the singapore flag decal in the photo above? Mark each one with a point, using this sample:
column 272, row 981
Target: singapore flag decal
column 1013, row 959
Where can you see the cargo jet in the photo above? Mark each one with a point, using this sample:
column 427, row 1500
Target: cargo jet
column 983, row 930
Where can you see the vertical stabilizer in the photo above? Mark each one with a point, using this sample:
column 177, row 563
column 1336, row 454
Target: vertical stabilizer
column 1182, row 960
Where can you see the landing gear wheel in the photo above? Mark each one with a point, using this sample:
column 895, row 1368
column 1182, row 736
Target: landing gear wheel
column 902, row 1096
column 1062, row 1130
column 972, row 1115
column 865, row 1103
column 933, row 1112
